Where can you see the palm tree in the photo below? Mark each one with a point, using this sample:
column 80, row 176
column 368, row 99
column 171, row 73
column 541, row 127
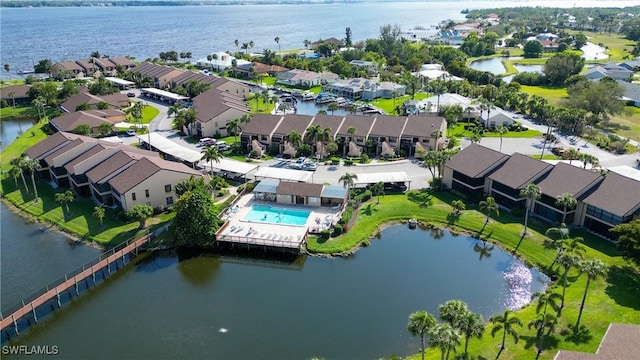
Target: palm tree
column 489, row 206
column 99, row 213
column 571, row 154
column 18, row 163
column 567, row 260
column 233, row 126
column 507, row 324
column 313, row 133
column 377, row 189
column 531, row 192
column 64, row 198
column 561, row 231
column 446, row 338
column 348, row 180
column 452, row 311
column 471, row 325
column 33, row 166
column 567, row 201
column 351, row 130
column 594, row 268
column 211, row 154
column 15, row 172
column 333, row 107
column 540, row 323
column 546, row 299
column 420, row 324
column 500, row 129
column 295, row 139
column 237, row 42
column 7, row 68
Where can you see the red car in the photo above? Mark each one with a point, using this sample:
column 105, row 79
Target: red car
column 131, row 94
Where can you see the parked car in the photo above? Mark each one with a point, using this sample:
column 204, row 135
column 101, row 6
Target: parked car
column 207, row 141
column 299, row 163
column 310, row 166
column 131, row 133
column 224, row 147
column 131, row 94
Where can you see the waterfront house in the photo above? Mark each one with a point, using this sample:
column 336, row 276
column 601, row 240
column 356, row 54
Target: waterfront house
column 515, row 174
column 122, row 61
column 214, row 109
column 111, row 173
column 614, row 201
column 162, row 75
column 249, row 70
column 555, row 183
column 16, row 93
column 337, row 44
column 89, row 67
column 434, row 72
column 106, row 66
column 306, row 78
column 67, row 70
column 467, row 171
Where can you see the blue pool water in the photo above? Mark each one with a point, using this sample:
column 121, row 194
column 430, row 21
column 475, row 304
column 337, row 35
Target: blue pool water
column 268, row 214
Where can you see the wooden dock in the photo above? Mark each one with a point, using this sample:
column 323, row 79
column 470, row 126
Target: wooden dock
column 52, row 293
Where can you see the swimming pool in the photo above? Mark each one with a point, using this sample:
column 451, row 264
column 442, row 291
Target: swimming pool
column 272, row 215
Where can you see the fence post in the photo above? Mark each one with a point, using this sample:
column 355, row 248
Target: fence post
column 58, row 297
column 15, row 324
column 35, row 317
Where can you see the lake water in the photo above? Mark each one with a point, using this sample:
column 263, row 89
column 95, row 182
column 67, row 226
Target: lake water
column 193, row 305
column 11, row 129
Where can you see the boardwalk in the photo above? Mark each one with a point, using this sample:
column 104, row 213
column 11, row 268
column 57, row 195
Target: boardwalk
column 29, row 309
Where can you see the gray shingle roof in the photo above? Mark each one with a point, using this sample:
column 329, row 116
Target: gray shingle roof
column 261, row 124
column 475, row 160
column 299, row 189
column 616, row 194
column 519, row 171
column 565, row 178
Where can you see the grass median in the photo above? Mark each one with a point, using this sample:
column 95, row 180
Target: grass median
column 616, row 298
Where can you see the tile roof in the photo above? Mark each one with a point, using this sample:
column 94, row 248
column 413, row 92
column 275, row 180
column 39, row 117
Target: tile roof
column 565, row 178
column 362, row 124
column 48, row 144
column 214, row 102
column 616, row 194
column 19, row 91
column 262, row 124
column 95, row 149
column 292, row 122
column 388, row 126
column 421, row 125
column 109, row 166
column 475, row 160
column 519, row 171
column 69, row 121
column 328, row 121
column 299, row 189
column 133, row 175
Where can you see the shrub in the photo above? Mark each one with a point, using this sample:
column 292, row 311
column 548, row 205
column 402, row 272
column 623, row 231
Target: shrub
column 346, row 215
column 335, row 161
column 122, row 216
column 436, row 183
column 325, row 234
column 337, row 229
column 348, row 162
column 250, row 186
column 364, row 196
column 364, row 159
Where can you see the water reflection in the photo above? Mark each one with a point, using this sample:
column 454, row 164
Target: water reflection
column 518, row 277
column 10, row 129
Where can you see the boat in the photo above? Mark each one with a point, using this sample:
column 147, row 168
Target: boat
column 307, row 96
column 413, row 223
column 25, row 72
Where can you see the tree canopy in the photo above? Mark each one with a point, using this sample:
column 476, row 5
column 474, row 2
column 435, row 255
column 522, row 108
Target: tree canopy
column 562, row 66
column 195, row 222
column 629, row 239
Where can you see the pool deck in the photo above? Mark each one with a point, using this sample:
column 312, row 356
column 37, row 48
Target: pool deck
column 239, row 231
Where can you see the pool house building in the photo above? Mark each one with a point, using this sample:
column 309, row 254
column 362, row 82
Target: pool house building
column 279, row 215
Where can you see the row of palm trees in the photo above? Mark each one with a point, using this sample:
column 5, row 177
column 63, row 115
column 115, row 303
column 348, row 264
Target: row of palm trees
column 21, row 165
column 458, row 322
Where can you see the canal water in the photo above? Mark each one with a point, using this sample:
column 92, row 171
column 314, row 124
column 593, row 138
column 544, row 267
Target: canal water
column 10, row 129
column 181, row 304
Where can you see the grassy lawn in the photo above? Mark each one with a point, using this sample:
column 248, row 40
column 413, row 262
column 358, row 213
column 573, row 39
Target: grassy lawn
column 22, row 143
column 555, row 95
column 547, row 157
column 260, row 107
column 626, row 126
column 614, row 299
column 148, row 114
column 617, row 46
column 459, row 131
column 387, row 105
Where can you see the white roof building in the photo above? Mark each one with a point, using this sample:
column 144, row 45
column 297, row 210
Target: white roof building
column 435, row 71
column 221, row 61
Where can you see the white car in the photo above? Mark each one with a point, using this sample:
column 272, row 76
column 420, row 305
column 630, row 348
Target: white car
column 131, row 133
column 207, row 141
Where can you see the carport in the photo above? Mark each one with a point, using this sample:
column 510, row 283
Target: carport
column 383, row 177
column 170, row 149
column 162, row 95
column 120, row 83
column 283, row 174
column 233, row 166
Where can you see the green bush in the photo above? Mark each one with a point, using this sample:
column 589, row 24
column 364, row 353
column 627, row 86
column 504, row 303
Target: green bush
column 364, row 196
column 325, row 234
column 337, row 229
column 335, row 161
column 364, row 159
column 348, row 162
column 346, row 215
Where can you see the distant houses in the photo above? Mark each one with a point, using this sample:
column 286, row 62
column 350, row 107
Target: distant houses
column 220, row 61
column 18, row 94
column 214, row 109
column 490, row 118
column 112, row 174
column 603, row 200
column 94, row 119
column 92, row 67
column 364, row 89
column 306, row 78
